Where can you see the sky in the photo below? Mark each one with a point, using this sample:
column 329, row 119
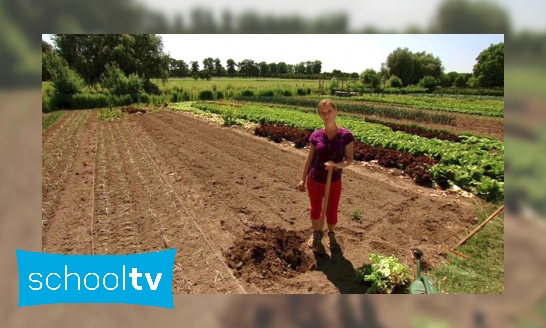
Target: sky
column 345, row 52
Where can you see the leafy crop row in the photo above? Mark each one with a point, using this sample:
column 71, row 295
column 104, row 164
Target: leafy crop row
column 359, row 108
column 465, row 105
column 457, row 96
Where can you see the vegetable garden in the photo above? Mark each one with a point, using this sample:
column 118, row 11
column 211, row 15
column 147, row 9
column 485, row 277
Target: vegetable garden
column 217, row 180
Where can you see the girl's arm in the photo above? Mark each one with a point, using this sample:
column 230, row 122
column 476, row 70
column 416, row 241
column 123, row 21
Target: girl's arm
column 307, row 164
column 348, row 156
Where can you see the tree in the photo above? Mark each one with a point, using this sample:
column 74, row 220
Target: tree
column 317, row 67
column 453, row 77
column 264, row 69
column 300, row 68
column 489, row 70
column 88, row 54
column 370, row 78
column 208, row 64
column 426, row 65
column 445, row 81
column 412, row 67
column 384, row 75
column 460, row 81
column 219, row 70
column 290, row 68
column 195, row 70
column 205, row 74
column 178, row 68
column 273, row 69
column 400, row 63
column 46, row 68
column 46, row 47
column 248, row 68
column 231, row 67
column 281, row 68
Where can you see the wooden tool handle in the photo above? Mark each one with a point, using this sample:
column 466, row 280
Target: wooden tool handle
column 479, row 227
column 325, row 201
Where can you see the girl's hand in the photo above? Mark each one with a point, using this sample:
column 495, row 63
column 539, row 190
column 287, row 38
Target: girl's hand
column 301, row 186
column 330, row 166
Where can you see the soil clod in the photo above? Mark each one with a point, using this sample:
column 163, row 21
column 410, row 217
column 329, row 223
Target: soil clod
column 271, row 252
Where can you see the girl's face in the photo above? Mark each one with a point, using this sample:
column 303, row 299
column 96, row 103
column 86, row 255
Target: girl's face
column 327, row 113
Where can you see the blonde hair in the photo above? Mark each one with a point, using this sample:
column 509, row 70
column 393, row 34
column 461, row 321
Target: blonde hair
column 325, row 102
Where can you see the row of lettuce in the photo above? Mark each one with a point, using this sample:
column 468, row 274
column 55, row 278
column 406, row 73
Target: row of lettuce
column 467, row 106
column 474, row 164
column 429, row 109
column 417, row 115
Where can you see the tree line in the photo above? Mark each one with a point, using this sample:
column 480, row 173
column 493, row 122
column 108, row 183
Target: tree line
column 143, row 56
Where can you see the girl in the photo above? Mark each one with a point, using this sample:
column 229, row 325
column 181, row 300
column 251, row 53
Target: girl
column 331, row 148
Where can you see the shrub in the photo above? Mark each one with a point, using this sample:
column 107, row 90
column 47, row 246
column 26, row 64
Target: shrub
column 144, row 98
column 247, row 93
column 205, row 95
column 428, row 82
column 186, row 96
column 266, row 93
column 65, row 80
column 395, row 82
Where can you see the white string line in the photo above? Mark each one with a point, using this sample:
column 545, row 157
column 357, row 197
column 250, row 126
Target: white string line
column 189, row 214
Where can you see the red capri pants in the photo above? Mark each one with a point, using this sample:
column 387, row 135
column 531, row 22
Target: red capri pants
column 316, row 195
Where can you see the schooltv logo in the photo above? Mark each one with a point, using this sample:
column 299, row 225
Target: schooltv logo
column 143, row 279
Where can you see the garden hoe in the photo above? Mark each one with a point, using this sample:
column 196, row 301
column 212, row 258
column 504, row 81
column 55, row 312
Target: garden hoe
column 318, row 247
column 421, row 285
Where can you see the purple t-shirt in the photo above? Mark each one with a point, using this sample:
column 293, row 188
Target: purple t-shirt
column 328, row 150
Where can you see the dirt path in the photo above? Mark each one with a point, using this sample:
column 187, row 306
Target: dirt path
column 238, row 188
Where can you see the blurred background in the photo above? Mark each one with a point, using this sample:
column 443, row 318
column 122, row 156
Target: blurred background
column 522, row 23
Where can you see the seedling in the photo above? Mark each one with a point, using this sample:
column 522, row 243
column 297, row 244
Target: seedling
column 356, row 215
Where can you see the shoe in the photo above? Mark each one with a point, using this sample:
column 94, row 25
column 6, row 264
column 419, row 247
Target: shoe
column 331, row 243
column 315, row 242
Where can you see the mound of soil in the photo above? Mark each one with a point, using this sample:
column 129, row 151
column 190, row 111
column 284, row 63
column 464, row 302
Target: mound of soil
column 269, row 253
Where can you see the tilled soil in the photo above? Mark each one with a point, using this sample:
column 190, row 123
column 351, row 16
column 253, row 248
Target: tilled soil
column 228, row 202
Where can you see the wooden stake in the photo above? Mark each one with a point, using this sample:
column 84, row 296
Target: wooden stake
column 479, row 227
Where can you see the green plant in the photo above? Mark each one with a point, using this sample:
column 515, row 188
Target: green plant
column 384, row 274
column 110, row 114
column 356, row 214
column 229, row 118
